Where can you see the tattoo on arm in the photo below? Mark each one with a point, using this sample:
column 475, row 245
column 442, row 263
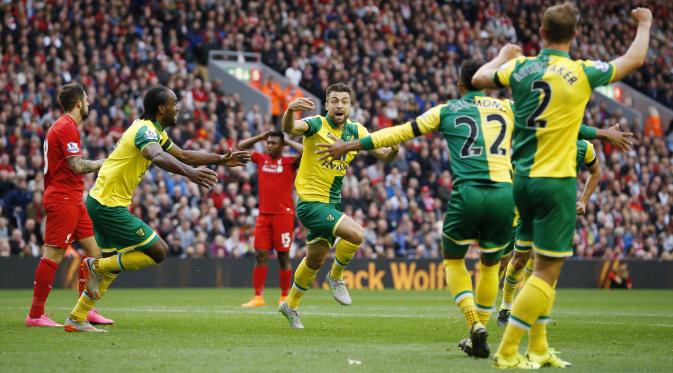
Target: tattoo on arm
column 80, row 165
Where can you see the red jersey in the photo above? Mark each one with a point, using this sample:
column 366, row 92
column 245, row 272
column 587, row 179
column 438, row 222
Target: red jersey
column 275, row 179
column 61, row 185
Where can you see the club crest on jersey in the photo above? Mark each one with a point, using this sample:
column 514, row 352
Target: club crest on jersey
column 347, row 137
column 140, row 232
column 330, row 217
column 151, row 134
column 72, row 147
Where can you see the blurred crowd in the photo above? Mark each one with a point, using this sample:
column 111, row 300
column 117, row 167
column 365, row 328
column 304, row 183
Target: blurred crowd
column 401, row 57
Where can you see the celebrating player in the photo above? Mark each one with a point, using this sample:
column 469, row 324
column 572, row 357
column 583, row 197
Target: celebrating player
column 275, row 223
column 127, row 242
column 66, row 217
column 550, row 92
column 514, row 272
column 318, row 186
column 478, row 130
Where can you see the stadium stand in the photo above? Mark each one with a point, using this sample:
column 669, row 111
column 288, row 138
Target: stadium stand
column 404, row 61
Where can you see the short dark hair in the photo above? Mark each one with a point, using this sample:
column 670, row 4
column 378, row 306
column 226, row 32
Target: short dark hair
column 153, row 98
column 559, row 22
column 341, row 87
column 69, row 94
column 467, row 70
column 278, row 134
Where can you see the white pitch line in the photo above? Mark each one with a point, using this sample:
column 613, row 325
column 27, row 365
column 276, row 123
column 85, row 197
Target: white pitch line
column 333, row 314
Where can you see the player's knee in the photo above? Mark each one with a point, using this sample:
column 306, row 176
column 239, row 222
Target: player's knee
column 261, row 256
column 356, row 236
column 158, row 251
column 284, row 260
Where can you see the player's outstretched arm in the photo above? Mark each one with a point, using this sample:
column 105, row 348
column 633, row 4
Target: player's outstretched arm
column 589, row 187
column 634, row 57
column 485, row 76
column 201, row 176
column 621, row 140
column 197, row 158
column 250, row 142
column 80, row 165
column 292, row 126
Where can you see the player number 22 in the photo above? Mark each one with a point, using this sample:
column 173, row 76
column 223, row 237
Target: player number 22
column 471, row 150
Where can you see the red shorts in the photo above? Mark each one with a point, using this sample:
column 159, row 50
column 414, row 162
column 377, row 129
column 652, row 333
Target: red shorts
column 274, row 231
column 65, row 224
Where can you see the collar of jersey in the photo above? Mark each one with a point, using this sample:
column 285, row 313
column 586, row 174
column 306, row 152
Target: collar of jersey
column 332, row 124
column 472, row 94
column 554, row 52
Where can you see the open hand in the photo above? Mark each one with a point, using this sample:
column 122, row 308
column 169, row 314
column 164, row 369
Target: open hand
column 204, row 177
column 334, row 150
column 234, row 159
column 621, row 140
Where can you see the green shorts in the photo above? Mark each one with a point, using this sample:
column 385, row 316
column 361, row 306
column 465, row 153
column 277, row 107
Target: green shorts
column 117, row 230
column 514, row 244
column 478, row 214
column 321, row 220
column 547, row 208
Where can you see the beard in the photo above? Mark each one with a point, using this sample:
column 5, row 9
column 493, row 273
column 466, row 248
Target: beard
column 84, row 112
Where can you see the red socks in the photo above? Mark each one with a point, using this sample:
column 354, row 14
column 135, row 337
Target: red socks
column 44, row 278
column 259, row 278
column 285, row 281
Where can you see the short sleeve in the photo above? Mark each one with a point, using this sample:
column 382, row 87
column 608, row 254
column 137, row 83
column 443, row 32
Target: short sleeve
column 587, row 132
column 590, row 155
column 166, row 142
column 598, row 72
column 314, row 125
column 428, row 121
column 504, row 72
column 146, row 136
column 70, row 142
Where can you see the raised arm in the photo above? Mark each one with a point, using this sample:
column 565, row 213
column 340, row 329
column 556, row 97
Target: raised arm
column 635, row 55
column 197, row 158
column 292, row 126
column 485, row 76
column 201, row 176
column 80, row 165
column 250, row 142
column 297, row 146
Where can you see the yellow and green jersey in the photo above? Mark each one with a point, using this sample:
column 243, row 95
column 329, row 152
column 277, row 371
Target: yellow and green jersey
column 478, row 129
column 551, row 92
column 586, row 155
column 321, row 181
column 123, row 170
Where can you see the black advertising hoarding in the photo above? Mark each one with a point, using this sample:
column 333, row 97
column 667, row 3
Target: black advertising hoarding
column 421, row 274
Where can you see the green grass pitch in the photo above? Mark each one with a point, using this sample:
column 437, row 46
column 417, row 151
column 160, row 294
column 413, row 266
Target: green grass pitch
column 205, row 330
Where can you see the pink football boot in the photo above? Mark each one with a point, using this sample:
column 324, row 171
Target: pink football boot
column 41, row 321
column 97, row 319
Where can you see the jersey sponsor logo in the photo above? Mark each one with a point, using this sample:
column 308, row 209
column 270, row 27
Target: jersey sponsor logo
column 273, row 168
column 151, row 134
column 336, row 165
column 72, row 147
